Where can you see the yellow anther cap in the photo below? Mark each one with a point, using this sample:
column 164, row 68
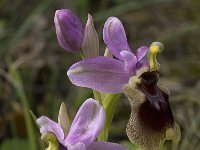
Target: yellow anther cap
column 154, row 49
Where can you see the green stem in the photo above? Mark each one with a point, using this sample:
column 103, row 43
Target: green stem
column 110, row 103
column 97, row 96
column 18, row 85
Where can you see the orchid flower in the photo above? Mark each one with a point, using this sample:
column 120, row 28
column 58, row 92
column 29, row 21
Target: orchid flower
column 108, row 75
column 87, row 125
column 151, row 121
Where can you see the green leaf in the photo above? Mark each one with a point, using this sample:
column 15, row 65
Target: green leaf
column 34, row 118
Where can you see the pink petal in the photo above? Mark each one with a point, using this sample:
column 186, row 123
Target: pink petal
column 47, row 125
column 130, row 60
column 88, row 123
column 115, row 37
column 141, row 52
column 77, row 146
column 102, row 74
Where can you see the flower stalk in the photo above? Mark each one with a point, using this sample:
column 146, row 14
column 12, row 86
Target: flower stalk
column 98, row 97
column 110, row 103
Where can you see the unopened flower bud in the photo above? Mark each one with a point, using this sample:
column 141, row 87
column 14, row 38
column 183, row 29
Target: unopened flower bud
column 69, row 30
column 90, row 46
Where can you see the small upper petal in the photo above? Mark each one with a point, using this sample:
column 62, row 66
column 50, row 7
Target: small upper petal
column 115, row 37
column 142, row 61
column 130, row 60
column 105, row 146
column 47, row 125
column 69, row 30
column 87, row 124
column 141, row 52
column 142, row 66
column 102, row 74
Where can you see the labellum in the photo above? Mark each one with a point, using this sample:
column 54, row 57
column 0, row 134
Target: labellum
column 151, row 116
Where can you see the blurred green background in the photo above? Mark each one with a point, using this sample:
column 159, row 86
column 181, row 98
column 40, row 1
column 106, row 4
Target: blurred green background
column 33, row 66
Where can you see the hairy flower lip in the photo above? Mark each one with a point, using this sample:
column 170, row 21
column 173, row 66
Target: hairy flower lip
column 151, row 115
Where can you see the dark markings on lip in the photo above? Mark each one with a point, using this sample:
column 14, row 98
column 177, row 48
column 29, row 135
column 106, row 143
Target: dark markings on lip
column 151, row 115
column 155, row 113
column 154, row 117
